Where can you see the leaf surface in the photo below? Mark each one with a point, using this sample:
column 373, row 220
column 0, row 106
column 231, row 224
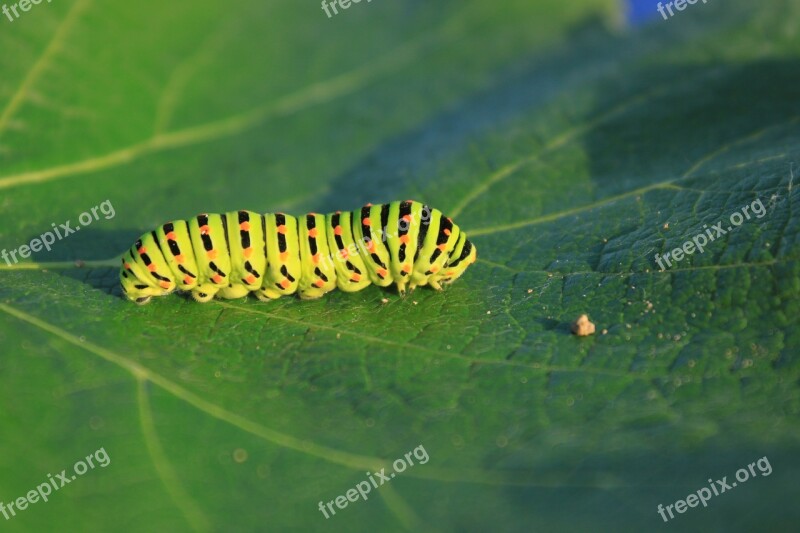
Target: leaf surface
column 570, row 149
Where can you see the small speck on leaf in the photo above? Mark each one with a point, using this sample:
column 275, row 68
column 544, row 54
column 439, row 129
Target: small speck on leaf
column 582, row 326
column 240, row 455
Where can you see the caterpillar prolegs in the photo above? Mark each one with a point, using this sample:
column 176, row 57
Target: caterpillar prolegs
column 274, row 254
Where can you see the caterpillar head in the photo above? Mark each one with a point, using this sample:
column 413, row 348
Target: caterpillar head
column 459, row 263
column 134, row 288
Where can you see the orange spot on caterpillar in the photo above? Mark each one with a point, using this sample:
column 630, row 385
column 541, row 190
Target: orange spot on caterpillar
column 365, row 221
column 406, row 268
column 315, row 258
column 204, row 230
column 442, row 247
column 152, row 267
column 337, row 230
column 250, row 279
column 343, row 253
column 165, row 284
column 127, row 266
column 355, row 277
column 404, row 239
column 382, row 272
column 171, row 236
column 247, row 252
column 312, row 233
column 142, row 250
column 285, row 283
column 180, row 258
column 368, row 205
column 434, row 269
column 407, row 218
column 244, row 226
column 216, row 278
column 284, row 256
column 446, row 231
column 281, row 229
column 319, row 283
column 212, row 254
column 187, row 280
column 449, row 273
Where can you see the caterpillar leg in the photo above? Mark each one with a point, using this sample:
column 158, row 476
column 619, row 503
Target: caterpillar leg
column 204, row 293
column 309, row 294
column 267, row 294
column 234, row 291
column 401, row 286
column 138, row 292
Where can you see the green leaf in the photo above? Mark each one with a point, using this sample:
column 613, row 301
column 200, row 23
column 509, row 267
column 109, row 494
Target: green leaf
column 570, row 148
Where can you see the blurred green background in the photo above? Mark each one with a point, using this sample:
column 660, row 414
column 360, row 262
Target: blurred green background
column 570, row 146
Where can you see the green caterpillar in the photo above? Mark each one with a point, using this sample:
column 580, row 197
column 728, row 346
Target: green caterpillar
column 274, row 254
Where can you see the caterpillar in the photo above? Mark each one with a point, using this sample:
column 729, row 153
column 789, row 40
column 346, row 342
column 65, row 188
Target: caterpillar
column 272, row 255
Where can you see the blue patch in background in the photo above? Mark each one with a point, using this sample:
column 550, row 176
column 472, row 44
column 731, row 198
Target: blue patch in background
column 641, row 11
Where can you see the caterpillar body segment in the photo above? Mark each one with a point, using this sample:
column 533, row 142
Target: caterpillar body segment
column 283, row 257
column 232, row 254
column 367, row 230
column 174, row 237
column 246, row 241
column 210, row 247
column 317, row 273
column 351, row 271
column 402, row 248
